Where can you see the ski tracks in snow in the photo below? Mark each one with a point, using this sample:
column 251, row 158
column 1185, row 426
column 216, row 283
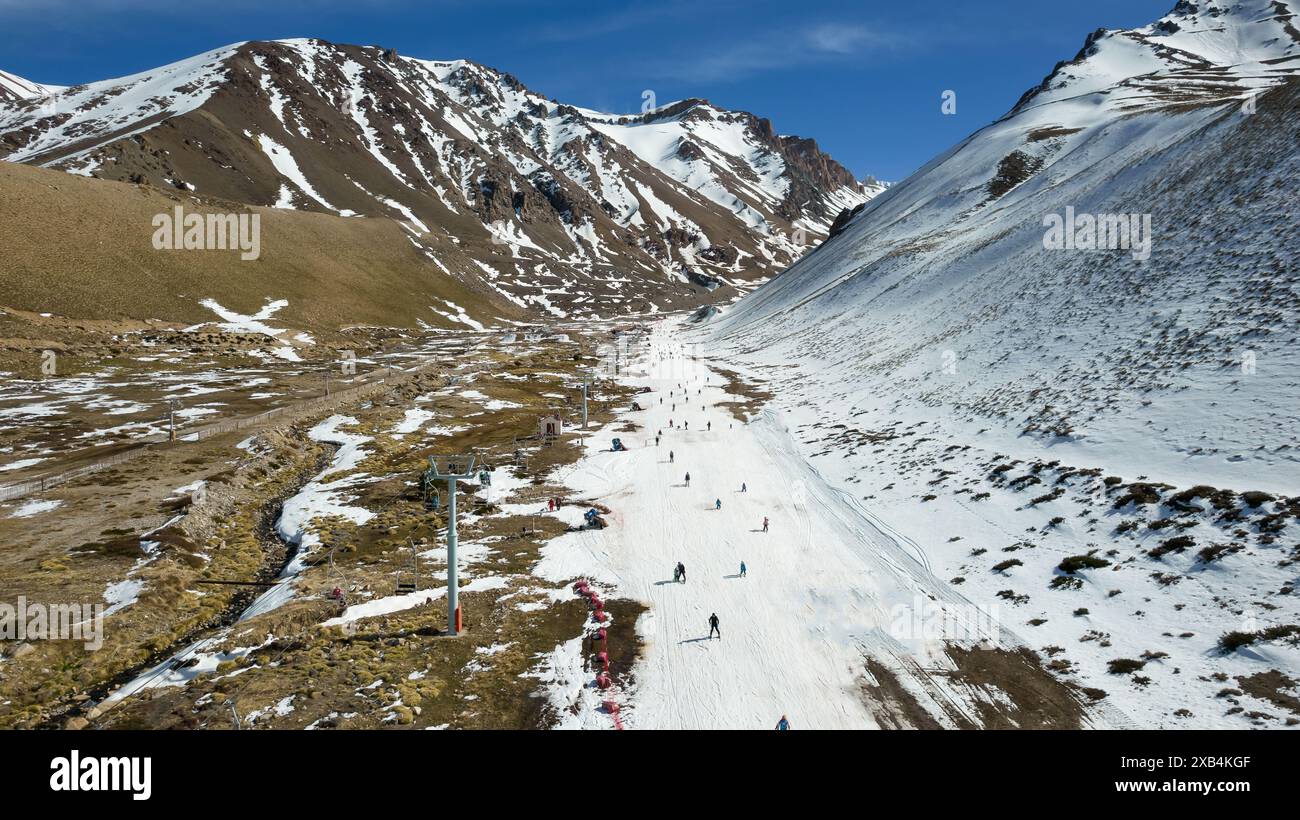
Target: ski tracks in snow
column 822, row 588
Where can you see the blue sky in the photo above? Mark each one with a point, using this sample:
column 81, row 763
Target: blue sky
column 864, row 78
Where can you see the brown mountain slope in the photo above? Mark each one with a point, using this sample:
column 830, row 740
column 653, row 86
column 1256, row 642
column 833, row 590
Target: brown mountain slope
column 84, row 248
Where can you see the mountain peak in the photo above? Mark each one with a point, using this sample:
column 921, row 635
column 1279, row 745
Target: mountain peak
column 14, row 88
column 1202, row 52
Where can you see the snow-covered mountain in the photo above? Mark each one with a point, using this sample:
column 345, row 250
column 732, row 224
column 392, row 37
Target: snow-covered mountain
column 550, row 203
column 14, row 88
column 1009, row 397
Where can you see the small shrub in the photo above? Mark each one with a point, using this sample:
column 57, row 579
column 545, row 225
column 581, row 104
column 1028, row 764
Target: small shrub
column 1124, row 666
column 1214, row 552
column 1139, row 494
column 1232, row 641
column 1045, row 497
column 1075, row 563
column 1176, row 544
column 1254, row 498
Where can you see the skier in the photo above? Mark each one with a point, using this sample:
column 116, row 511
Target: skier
column 688, row 483
column 710, row 427
column 670, row 456
column 677, row 574
column 742, row 569
column 681, row 571
column 743, row 487
column 717, row 504
column 686, row 425
column 713, row 626
column 783, row 725
column 656, row 441
column 765, row 523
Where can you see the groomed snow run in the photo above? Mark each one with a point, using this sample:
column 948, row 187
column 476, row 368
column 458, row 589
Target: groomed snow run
column 822, row 586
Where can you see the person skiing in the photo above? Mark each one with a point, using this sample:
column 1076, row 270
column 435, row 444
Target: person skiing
column 686, row 425
column 677, row 574
column 656, row 441
column 670, row 456
column 688, row 483
column 710, row 427
column 681, row 571
column 765, row 523
column 742, row 569
column 713, row 626
column 783, row 725
column 743, row 487
column 717, row 504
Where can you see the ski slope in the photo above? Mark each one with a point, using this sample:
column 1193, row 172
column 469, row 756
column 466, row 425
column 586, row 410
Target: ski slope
column 992, row 396
column 822, row 588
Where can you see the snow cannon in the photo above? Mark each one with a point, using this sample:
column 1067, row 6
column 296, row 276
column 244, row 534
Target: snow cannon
column 603, row 635
column 581, row 586
column 617, row 446
column 611, row 707
column 603, row 681
column 599, row 615
column 603, row 657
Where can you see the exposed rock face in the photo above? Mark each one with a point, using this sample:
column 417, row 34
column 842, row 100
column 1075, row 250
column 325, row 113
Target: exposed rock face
column 842, row 221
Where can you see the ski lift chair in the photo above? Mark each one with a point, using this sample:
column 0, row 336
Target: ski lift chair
column 408, row 577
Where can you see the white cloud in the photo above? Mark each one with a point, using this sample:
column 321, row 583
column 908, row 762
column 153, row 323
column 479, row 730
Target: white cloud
column 779, row 50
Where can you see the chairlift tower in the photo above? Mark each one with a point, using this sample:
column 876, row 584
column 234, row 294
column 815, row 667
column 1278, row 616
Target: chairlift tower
column 451, row 469
column 586, row 390
column 173, row 403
